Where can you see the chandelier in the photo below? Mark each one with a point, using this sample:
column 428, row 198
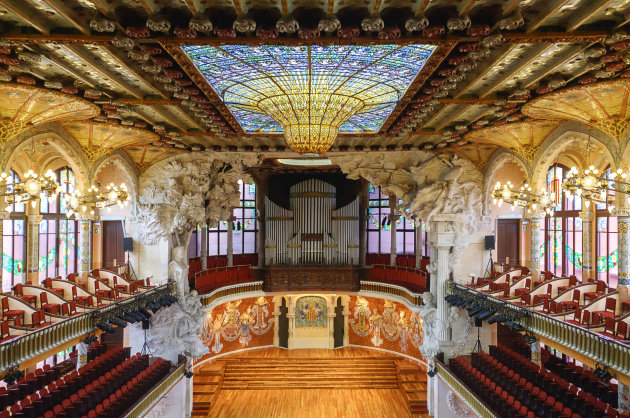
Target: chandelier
column 589, row 187
column 88, row 202
column 311, row 121
column 33, row 189
column 524, row 198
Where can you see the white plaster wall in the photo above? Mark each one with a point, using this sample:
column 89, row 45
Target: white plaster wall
column 473, row 261
column 149, row 260
column 442, row 410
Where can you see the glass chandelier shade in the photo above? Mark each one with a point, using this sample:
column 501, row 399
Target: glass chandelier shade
column 86, row 203
column 524, row 197
column 32, row 189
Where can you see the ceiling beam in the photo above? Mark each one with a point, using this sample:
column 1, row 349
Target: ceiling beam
column 67, row 14
column 190, row 118
column 172, row 102
column 176, row 123
column 548, row 8
column 27, row 14
column 587, row 11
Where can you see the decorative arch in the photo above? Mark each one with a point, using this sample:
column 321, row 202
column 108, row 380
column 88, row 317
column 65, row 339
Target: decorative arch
column 562, row 139
column 57, row 138
column 121, row 160
column 496, row 162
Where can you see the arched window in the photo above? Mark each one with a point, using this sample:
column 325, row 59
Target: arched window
column 13, row 179
column 606, row 242
column 13, row 240
column 405, row 235
column 58, row 236
column 379, row 225
column 562, row 251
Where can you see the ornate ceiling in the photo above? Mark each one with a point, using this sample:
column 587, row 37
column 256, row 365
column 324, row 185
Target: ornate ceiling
column 491, row 59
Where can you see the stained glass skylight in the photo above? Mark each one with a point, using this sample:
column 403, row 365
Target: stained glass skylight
column 370, row 79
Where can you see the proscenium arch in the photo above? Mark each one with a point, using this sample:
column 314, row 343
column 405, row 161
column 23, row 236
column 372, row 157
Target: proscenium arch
column 57, row 138
column 558, row 141
column 500, row 158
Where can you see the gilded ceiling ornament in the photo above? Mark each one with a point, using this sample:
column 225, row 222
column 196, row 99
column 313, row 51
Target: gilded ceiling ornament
column 158, row 23
column 512, row 22
column 122, row 41
column 287, row 24
column 617, row 36
column 53, row 84
column 416, row 24
column 102, row 25
column 329, row 24
column 458, row 23
column 244, row 24
column 493, row 41
column 372, row 24
column 594, row 51
column 138, row 55
column 201, row 24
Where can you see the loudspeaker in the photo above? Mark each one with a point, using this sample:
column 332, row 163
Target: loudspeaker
column 478, row 322
column 145, row 324
column 128, row 244
column 489, row 241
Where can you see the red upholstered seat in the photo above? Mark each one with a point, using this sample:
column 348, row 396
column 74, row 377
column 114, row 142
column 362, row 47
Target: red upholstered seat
column 572, row 304
column 11, row 314
column 599, row 291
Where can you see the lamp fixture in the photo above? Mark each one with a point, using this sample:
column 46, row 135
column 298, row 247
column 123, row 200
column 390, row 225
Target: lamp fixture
column 524, row 197
column 589, row 187
column 33, row 189
column 84, row 203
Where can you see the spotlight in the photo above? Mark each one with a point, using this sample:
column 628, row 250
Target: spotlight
column 451, row 298
column 153, row 306
column 118, row 322
column 105, row 327
column 487, row 313
column 144, row 313
column 188, row 374
column 529, row 337
column 124, row 317
column 90, row 339
column 601, row 372
column 432, row 371
column 133, row 318
column 514, row 326
column 498, row 318
column 475, row 311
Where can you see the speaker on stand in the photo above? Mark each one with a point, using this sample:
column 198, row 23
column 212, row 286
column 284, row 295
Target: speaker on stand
column 489, row 245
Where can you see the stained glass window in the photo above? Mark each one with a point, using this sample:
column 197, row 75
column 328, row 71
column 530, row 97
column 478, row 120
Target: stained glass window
column 14, row 252
column 606, row 263
column 405, row 235
column 194, row 247
column 58, row 236
column 247, row 77
column 217, row 239
column 244, row 225
column 12, row 179
column 379, row 225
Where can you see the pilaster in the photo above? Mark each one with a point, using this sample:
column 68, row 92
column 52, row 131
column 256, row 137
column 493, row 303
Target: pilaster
column 623, row 245
column 363, row 218
column 535, row 223
column 230, row 242
column 32, row 248
column 85, row 227
column 442, row 239
column 588, row 270
column 419, row 244
column 393, row 218
column 204, row 246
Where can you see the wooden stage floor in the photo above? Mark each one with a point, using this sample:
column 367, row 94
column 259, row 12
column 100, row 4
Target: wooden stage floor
column 271, row 382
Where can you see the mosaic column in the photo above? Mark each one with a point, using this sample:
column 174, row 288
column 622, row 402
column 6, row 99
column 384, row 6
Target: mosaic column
column 623, row 394
column 393, row 218
column 623, row 221
column 32, row 248
column 261, row 193
column 85, row 226
column 588, row 270
column 535, row 346
column 82, row 357
column 535, row 224
column 204, row 246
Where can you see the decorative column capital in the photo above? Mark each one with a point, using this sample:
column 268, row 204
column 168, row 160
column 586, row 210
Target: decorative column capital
column 536, row 215
column 5, row 214
column 35, row 219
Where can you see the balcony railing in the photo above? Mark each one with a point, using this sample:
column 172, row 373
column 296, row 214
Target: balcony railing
column 40, row 341
column 591, row 345
column 142, row 407
column 391, row 290
column 235, row 289
column 462, row 392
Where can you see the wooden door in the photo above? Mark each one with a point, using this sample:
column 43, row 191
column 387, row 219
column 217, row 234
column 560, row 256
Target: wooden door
column 283, row 325
column 508, row 240
column 113, row 243
column 338, row 324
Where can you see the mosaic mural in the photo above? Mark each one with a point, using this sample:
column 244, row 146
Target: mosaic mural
column 239, row 324
column 385, row 324
column 310, row 311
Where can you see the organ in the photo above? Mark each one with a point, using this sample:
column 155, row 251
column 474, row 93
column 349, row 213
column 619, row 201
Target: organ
column 313, row 231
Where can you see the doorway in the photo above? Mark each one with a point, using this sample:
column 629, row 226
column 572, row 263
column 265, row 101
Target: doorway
column 508, row 238
column 113, row 243
column 338, row 324
column 283, row 325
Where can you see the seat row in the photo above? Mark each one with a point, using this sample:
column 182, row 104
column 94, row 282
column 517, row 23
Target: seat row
column 413, row 280
column 209, row 280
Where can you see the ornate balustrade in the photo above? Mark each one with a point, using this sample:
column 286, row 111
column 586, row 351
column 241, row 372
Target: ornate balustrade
column 387, row 289
column 232, row 290
column 571, row 338
column 312, row 278
column 145, row 404
column 462, row 392
column 40, row 341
